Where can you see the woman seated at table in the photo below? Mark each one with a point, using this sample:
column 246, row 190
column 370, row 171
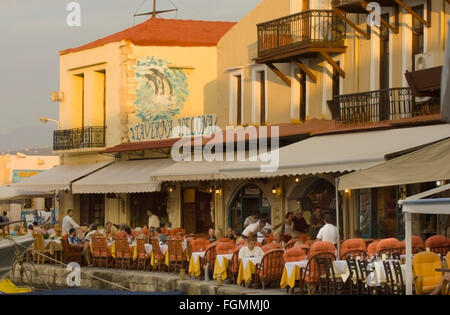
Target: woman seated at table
column 92, row 230
column 277, row 239
column 251, row 250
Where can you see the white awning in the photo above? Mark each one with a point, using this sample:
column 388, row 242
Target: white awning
column 58, row 178
column 190, row 171
column 10, row 193
column 340, row 152
column 122, row 177
column 431, row 163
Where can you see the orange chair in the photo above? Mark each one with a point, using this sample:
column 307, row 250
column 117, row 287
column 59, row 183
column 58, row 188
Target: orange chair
column 425, row 275
column 272, row 246
column 292, row 242
column 372, row 248
column 242, row 242
column 199, row 244
column 271, row 268
column 309, row 242
column 438, row 244
column 233, row 266
column 322, row 247
column 294, row 254
column 353, row 247
column 268, row 239
column 389, row 246
column 223, row 248
column 306, row 248
column 447, row 260
column 417, row 245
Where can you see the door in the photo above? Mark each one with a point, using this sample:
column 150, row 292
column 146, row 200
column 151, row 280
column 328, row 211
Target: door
column 92, row 209
column 197, row 211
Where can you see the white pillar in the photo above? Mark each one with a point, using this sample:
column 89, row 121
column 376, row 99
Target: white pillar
column 409, row 276
column 337, row 220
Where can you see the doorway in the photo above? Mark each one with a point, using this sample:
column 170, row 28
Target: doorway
column 92, row 209
column 141, row 202
column 197, row 217
column 247, row 200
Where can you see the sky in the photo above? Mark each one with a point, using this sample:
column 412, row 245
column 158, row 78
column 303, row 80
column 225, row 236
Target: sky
column 32, row 32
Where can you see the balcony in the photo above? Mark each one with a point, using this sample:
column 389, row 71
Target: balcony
column 79, row 138
column 382, row 105
column 302, row 35
column 355, row 6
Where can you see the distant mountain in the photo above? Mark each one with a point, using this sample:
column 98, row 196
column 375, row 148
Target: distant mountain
column 23, row 138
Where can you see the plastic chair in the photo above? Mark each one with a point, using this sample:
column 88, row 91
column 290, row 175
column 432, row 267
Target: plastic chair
column 425, row 275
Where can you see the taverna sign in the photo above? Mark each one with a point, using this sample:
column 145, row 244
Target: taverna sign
column 166, row 129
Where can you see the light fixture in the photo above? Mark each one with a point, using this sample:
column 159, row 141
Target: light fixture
column 218, row 190
column 275, row 189
column 297, row 179
column 347, row 191
column 438, row 183
column 210, row 189
column 45, row 120
column 171, row 188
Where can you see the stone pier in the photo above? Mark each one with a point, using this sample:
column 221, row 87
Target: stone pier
column 55, row 277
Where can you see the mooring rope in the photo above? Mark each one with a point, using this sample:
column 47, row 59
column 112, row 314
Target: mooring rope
column 65, row 265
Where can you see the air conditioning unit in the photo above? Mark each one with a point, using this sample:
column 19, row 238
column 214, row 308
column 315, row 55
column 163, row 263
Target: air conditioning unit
column 424, row 61
column 57, row 96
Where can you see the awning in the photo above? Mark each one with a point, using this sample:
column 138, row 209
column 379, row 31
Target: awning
column 431, row 163
column 8, row 193
column 426, row 82
column 340, row 152
column 59, row 178
column 445, row 89
column 190, row 171
column 122, row 177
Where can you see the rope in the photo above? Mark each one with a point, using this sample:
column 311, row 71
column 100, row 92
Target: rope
column 65, row 265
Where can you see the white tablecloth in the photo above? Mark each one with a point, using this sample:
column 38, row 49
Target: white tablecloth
column 254, row 260
column 340, row 268
column 148, row 248
column 378, row 276
column 220, row 258
column 196, row 255
column 290, row 266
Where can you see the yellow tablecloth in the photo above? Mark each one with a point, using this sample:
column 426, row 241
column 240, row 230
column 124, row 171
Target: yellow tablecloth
column 153, row 261
column 247, row 272
column 287, row 280
column 221, row 268
column 194, row 264
column 112, row 250
column 6, row 286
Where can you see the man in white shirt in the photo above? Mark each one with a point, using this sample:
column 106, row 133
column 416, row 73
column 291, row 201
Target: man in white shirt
column 251, row 219
column 328, row 232
column 251, row 250
column 68, row 223
column 253, row 229
column 153, row 220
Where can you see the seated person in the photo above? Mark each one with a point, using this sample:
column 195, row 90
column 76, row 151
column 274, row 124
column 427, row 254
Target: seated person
column 278, row 240
column 238, row 235
column 110, row 229
column 168, row 226
column 38, row 229
column 162, row 239
column 251, row 250
column 73, row 239
column 212, row 236
column 93, row 230
column 230, row 234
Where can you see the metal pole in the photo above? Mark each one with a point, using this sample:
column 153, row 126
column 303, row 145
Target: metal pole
column 337, row 219
column 154, row 8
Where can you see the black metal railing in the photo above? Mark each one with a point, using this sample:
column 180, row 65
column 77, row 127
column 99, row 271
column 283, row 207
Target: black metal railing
column 307, row 28
column 86, row 137
column 376, row 106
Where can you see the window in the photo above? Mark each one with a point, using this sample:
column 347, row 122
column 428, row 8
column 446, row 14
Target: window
column 49, row 203
column 417, row 35
column 302, row 96
column 259, row 104
column 239, row 100
column 78, row 100
column 98, row 114
column 28, row 204
column 384, row 55
column 262, row 97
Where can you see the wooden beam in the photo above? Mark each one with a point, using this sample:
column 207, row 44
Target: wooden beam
column 279, row 73
column 415, row 15
column 341, row 14
column 332, row 63
column 305, row 69
column 395, row 29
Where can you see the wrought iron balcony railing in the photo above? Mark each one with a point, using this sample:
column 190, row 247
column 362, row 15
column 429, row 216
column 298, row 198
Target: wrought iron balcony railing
column 86, row 137
column 376, row 106
column 318, row 28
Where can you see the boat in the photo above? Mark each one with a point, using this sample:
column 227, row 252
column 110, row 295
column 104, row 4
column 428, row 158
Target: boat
column 10, row 248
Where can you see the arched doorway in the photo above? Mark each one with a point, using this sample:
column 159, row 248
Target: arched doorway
column 248, row 199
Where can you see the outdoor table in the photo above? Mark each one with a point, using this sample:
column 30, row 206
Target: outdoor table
column 194, row 264
column 247, row 268
column 292, row 273
column 378, row 276
column 164, row 250
column 221, row 265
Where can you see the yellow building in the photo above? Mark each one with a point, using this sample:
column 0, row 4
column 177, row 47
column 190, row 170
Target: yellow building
column 17, row 167
column 313, row 68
